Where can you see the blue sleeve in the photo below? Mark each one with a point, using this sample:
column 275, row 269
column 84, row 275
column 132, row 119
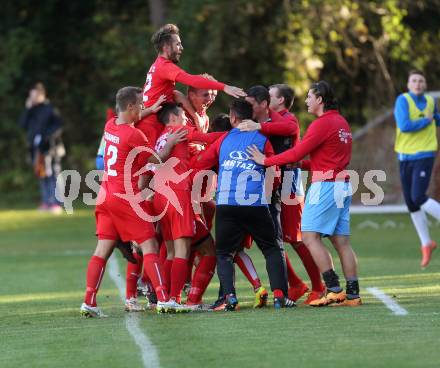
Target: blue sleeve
column 401, row 114
column 436, row 115
column 99, row 162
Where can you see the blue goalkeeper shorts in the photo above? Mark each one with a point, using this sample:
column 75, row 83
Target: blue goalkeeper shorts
column 327, row 208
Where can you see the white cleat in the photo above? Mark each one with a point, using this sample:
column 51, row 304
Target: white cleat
column 171, row 306
column 198, row 307
column 91, row 312
column 132, row 305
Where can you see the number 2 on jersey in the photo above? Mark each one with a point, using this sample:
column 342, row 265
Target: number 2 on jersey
column 148, row 83
column 112, row 151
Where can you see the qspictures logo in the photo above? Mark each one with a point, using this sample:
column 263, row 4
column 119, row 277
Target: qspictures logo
column 203, row 185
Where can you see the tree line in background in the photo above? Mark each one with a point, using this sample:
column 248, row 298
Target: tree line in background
column 85, row 50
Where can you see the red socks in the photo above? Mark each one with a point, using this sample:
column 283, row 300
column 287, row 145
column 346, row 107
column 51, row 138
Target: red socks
column 191, row 258
column 292, row 277
column 167, row 273
column 310, row 266
column 154, row 272
column 132, row 275
column 179, row 270
column 162, row 252
column 277, row 293
column 247, row 267
column 95, row 271
column 202, row 276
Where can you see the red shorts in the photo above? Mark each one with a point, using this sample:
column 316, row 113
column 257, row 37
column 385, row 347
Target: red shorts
column 174, row 225
column 115, row 219
column 291, row 220
column 202, row 232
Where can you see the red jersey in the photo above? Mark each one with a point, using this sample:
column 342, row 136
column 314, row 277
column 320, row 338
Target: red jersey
column 151, row 127
column 162, row 77
column 110, row 113
column 328, row 141
column 286, row 114
column 119, row 142
column 205, row 123
column 182, row 152
column 196, row 148
column 282, row 130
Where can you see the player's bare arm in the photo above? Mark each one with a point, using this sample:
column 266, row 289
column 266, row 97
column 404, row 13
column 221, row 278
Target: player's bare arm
column 173, row 138
column 153, row 108
column 180, row 98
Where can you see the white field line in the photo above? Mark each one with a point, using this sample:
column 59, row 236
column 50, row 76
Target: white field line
column 391, row 208
column 150, row 357
column 389, row 302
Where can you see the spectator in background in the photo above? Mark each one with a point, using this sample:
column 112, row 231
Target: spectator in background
column 416, row 144
column 43, row 125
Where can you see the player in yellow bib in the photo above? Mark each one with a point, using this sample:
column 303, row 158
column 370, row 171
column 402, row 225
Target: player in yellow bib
column 417, row 119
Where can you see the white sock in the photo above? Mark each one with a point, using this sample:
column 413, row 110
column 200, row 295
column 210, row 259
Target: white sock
column 432, row 207
column 421, row 224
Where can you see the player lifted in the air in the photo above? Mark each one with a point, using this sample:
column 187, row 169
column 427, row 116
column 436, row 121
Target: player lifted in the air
column 164, row 73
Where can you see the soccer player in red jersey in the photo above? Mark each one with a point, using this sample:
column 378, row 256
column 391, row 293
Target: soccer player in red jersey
column 196, row 103
column 281, row 100
column 164, row 73
column 179, row 225
column 326, row 213
column 116, row 217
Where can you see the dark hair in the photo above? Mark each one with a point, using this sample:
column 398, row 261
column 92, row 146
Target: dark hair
column 163, row 35
column 325, row 91
column 167, row 109
column 260, row 93
column 221, row 123
column 416, row 71
column 241, row 109
column 285, row 91
column 126, row 96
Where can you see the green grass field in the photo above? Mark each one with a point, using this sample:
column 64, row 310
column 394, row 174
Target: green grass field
column 42, row 271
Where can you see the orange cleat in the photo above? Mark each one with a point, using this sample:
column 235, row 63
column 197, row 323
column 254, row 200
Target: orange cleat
column 328, row 298
column 357, row 302
column 296, row 292
column 313, row 295
column 427, row 253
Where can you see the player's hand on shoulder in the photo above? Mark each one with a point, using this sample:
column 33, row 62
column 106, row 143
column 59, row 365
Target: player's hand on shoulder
column 177, row 136
column 430, row 117
column 256, row 155
column 249, row 126
column 234, row 91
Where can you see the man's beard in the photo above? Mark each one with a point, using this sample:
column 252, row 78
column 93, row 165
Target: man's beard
column 174, row 57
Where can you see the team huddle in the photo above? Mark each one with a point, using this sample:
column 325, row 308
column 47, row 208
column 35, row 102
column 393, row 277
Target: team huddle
column 163, row 159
